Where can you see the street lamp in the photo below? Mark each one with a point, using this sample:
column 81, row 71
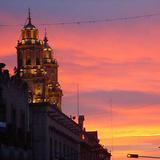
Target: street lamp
column 137, row 156
column 132, row 155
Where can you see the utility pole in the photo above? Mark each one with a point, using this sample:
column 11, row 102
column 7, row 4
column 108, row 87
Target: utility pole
column 77, row 100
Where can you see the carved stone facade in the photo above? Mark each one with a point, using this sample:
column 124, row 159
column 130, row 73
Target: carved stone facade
column 37, row 66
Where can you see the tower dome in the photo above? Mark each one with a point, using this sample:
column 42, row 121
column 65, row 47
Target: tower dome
column 46, row 45
column 47, row 50
column 29, row 31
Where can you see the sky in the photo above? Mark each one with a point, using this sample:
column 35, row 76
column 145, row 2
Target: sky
column 115, row 64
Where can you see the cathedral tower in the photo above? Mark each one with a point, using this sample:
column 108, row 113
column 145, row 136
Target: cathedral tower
column 37, row 66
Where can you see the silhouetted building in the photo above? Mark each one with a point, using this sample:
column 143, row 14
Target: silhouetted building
column 55, row 136
column 15, row 137
column 90, row 148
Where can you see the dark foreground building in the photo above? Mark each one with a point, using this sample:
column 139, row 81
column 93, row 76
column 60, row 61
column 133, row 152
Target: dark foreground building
column 90, row 147
column 15, row 135
column 47, row 133
column 55, row 136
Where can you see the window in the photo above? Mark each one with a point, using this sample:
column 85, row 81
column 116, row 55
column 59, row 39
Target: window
column 67, row 153
column 38, row 90
column 20, row 61
column 71, row 153
column 47, row 55
column 35, row 33
column 22, row 122
column 60, row 148
column 13, row 118
column 64, row 150
column 55, row 149
column 37, row 61
column 51, row 149
column 2, row 110
column 28, row 60
column 28, row 34
column 23, row 34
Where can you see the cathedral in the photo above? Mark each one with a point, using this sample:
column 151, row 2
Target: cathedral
column 38, row 66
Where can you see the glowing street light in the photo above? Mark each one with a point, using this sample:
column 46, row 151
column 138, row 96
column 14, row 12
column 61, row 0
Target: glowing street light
column 132, row 155
column 137, row 156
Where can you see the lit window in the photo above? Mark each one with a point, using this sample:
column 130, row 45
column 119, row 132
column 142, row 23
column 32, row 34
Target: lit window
column 33, row 71
column 23, row 41
column 47, row 55
column 28, row 34
column 38, row 90
column 33, row 41
column 48, row 60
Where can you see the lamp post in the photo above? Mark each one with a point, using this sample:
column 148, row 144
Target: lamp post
column 137, row 156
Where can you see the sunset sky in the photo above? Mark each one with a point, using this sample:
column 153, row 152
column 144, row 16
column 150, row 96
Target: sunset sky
column 116, row 64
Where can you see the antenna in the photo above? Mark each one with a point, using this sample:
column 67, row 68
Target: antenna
column 45, row 32
column 77, row 100
column 111, row 123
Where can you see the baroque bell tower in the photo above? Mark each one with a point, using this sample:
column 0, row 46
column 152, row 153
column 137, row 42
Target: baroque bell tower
column 38, row 67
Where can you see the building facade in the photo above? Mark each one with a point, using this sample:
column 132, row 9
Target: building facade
column 15, row 135
column 55, row 136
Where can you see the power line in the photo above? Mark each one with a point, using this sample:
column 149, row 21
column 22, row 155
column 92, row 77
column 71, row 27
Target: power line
column 106, row 20
column 78, row 22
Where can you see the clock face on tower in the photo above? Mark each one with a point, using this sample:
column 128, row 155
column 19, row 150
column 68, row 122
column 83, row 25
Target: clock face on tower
column 38, row 67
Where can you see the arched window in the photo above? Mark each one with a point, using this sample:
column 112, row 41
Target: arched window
column 28, row 60
column 23, row 34
column 47, row 55
column 34, row 34
column 20, row 61
column 38, row 90
column 28, row 34
column 37, row 61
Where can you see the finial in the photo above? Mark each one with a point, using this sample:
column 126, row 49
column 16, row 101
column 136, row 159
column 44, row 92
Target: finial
column 45, row 36
column 29, row 15
column 45, row 32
